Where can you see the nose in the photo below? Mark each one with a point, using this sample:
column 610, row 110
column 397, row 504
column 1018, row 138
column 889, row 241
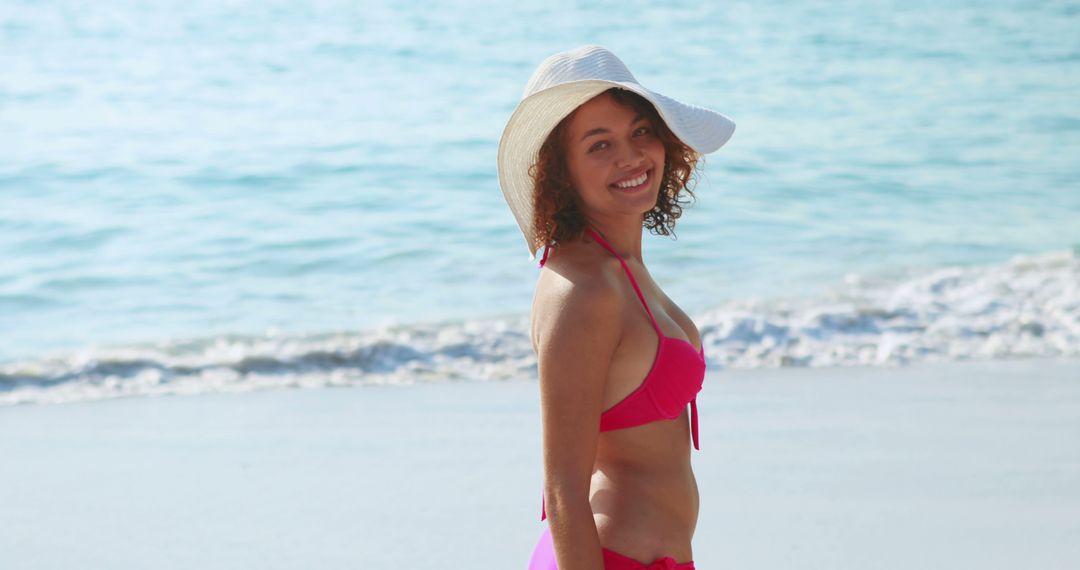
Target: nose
column 629, row 155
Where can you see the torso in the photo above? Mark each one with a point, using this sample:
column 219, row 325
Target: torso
column 643, row 493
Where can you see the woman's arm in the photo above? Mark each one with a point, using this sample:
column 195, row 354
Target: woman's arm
column 578, row 329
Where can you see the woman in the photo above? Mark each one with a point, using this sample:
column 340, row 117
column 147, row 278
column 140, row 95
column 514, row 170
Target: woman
column 587, row 160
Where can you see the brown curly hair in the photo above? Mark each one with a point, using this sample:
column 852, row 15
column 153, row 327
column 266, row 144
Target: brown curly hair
column 557, row 213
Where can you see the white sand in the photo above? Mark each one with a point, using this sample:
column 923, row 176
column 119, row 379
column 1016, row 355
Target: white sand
column 964, row 465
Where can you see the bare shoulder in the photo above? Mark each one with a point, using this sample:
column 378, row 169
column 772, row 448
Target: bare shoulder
column 577, row 326
column 577, row 295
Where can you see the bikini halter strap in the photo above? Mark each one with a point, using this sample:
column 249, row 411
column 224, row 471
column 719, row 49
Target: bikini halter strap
column 595, row 235
column 544, row 259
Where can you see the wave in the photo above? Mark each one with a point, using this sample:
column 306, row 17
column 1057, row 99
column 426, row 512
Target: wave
column 1026, row 307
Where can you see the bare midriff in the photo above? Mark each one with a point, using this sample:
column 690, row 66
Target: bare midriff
column 643, row 492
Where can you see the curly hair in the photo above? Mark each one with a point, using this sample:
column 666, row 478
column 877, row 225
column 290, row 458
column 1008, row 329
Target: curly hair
column 557, row 215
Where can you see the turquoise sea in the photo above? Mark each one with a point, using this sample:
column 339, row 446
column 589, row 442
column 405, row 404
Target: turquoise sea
column 227, row 195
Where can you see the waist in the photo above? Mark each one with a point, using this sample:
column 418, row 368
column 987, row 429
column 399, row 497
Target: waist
column 645, row 507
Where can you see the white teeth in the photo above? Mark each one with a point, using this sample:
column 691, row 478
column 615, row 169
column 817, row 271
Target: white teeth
column 635, row 182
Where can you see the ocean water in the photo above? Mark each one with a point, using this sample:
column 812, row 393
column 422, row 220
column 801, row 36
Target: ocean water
column 228, row 196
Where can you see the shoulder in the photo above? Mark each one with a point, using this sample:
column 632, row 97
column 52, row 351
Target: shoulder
column 578, row 294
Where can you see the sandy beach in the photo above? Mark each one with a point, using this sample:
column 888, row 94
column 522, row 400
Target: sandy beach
column 958, row 465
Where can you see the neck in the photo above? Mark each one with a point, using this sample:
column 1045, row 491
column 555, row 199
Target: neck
column 625, row 239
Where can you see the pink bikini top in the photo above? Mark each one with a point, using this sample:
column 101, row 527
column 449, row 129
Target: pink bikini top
column 674, row 380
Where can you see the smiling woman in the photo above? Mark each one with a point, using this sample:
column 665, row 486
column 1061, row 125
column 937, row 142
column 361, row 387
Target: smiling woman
column 590, row 158
column 557, row 211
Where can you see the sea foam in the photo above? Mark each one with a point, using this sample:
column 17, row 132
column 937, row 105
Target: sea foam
column 1026, row 307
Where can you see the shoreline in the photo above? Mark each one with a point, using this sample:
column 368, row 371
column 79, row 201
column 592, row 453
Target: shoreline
column 958, row 464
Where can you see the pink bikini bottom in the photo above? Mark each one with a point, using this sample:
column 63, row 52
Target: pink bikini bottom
column 543, row 558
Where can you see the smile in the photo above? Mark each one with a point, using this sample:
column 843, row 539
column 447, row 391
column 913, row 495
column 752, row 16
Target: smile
column 633, row 184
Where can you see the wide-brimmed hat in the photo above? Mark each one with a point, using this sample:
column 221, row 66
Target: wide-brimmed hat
column 561, row 84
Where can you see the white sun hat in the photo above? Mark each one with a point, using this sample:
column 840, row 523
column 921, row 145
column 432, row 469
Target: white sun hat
column 561, row 84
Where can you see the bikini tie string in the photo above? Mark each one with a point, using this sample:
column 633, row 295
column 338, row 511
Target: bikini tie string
column 544, row 260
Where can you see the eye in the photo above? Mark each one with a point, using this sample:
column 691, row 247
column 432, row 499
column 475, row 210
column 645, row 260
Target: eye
column 640, row 131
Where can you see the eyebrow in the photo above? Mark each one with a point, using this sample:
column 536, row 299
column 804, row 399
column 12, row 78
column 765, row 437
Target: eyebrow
column 600, row 130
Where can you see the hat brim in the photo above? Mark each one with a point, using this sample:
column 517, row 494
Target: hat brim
column 703, row 130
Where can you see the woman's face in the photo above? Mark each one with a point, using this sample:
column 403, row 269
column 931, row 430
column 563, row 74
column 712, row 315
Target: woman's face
column 614, row 157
